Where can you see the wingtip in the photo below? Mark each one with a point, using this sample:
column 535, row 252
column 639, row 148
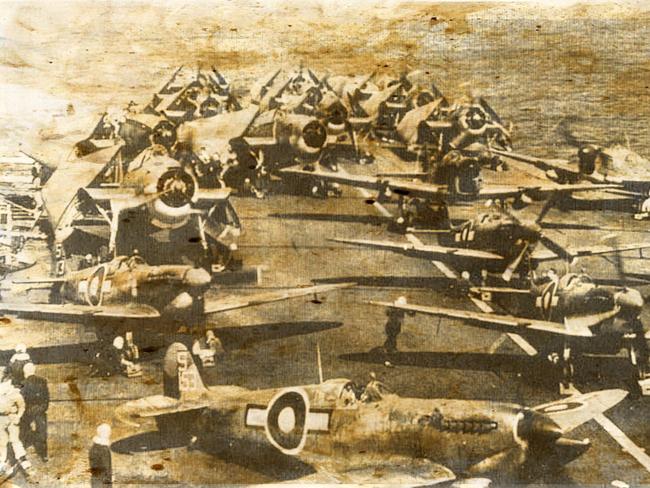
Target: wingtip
column 348, row 284
column 608, row 398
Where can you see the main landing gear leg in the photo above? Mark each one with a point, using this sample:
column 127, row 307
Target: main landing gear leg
column 566, row 385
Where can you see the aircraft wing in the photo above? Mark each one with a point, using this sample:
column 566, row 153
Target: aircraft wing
column 436, row 253
column 405, row 187
column 214, row 133
column 543, row 164
column 574, row 411
column 559, row 166
column 260, row 141
column 105, row 194
column 39, row 281
column 73, row 175
column 394, row 471
column 542, row 191
column 501, row 323
column 156, row 405
column 235, row 302
column 548, row 255
column 70, row 311
column 211, row 195
column 403, row 174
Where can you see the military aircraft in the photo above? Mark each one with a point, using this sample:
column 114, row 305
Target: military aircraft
column 380, row 102
column 372, row 436
column 616, row 164
column 191, row 94
column 245, row 148
column 124, row 172
column 558, row 316
column 154, row 194
column 495, row 241
column 413, row 114
column 425, row 203
column 126, row 293
column 304, row 93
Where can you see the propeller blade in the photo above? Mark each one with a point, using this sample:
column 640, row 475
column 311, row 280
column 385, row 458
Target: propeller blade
column 493, row 115
column 459, row 140
column 313, row 76
column 436, row 92
column 548, row 205
column 512, row 267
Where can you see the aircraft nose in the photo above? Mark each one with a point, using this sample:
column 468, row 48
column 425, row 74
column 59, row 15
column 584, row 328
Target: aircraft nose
column 197, row 277
column 538, row 429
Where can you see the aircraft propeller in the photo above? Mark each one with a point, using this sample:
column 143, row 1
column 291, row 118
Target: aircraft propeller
column 531, row 233
column 631, row 303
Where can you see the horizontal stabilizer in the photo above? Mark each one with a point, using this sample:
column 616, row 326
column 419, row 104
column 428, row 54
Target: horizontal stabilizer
column 574, row 411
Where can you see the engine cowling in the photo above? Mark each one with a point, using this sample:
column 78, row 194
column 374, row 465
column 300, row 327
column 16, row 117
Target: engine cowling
column 461, row 174
column 587, row 158
column 167, row 189
column 303, row 133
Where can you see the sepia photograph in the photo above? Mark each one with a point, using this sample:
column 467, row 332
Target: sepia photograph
column 391, row 243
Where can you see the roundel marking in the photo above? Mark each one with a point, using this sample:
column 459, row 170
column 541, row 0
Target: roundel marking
column 549, row 299
column 286, row 421
column 95, row 286
column 562, row 407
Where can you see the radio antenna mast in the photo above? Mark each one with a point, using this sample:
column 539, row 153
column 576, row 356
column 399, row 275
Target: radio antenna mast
column 320, row 364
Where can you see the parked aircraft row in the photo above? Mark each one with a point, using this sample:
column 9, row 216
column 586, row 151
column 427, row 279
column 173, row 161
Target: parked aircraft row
column 141, row 225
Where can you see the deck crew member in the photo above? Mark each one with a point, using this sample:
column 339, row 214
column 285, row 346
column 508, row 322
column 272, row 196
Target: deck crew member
column 33, row 424
column 99, row 458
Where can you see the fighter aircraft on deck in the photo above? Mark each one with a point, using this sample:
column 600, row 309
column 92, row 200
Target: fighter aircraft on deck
column 616, row 164
column 454, row 180
column 559, row 317
column 126, row 293
column 494, row 242
column 354, row 436
column 125, row 172
column 153, row 193
column 244, row 149
column 414, row 115
column 191, row 94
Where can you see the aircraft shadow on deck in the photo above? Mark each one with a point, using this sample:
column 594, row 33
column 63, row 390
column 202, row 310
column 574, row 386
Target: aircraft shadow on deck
column 57, row 354
column 592, row 372
column 498, row 363
column 267, row 461
column 77, row 353
column 344, row 218
column 439, row 283
column 231, row 338
column 243, row 337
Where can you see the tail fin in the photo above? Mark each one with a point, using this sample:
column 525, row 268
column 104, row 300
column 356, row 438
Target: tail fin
column 181, row 377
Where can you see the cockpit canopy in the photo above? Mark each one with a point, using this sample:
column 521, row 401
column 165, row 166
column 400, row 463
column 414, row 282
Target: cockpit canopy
column 573, row 280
